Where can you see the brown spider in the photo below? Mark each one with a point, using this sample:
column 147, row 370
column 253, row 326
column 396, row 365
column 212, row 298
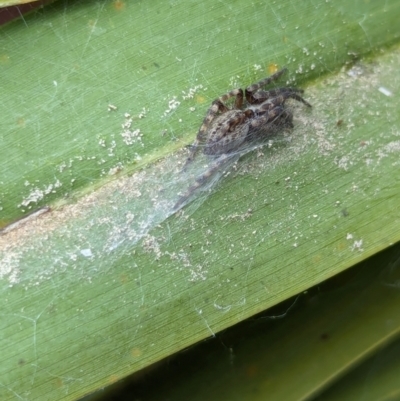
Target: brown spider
column 225, row 132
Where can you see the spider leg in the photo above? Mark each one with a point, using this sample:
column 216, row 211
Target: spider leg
column 279, row 97
column 286, row 118
column 235, row 92
column 251, row 90
column 267, row 124
column 217, row 106
column 256, row 96
column 283, row 118
column 282, row 93
column 200, row 180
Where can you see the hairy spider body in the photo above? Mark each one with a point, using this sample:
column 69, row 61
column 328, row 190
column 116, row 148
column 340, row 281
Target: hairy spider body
column 224, row 131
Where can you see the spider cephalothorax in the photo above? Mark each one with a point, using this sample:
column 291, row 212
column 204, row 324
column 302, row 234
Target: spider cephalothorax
column 226, row 131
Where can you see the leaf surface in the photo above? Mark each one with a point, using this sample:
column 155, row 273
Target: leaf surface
column 111, row 279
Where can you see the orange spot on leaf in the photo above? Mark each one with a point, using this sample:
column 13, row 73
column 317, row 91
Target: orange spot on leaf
column 4, row 58
column 119, row 5
column 200, row 99
column 21, row 122
column 272, row 68
column 136, row 352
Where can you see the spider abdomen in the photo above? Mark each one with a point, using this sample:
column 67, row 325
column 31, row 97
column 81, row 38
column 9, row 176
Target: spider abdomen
column 226, row 133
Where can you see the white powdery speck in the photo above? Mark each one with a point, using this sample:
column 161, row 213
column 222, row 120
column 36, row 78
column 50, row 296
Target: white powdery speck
column 191, row 92
column 9, row 267
column 130, row 137
column 172, row 105
column 87, row 253
column 385, row 91
column 38, row 194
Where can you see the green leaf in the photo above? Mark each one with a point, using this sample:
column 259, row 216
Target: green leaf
column 96, row 289
column 4, row 3
column 337, row 341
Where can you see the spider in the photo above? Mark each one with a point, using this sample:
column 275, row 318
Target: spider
column 226, row 131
